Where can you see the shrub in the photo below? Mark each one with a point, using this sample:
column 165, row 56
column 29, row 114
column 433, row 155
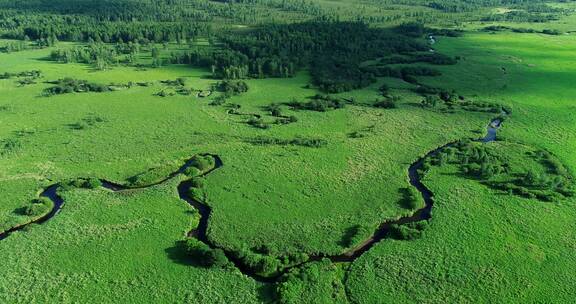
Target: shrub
column 258, row 123
column 305, row 142
column 217, row 258
column 217, row 101
column 197, row 182
column 38, row 207
column 92, row 183
column 319, row 103
column 192, row 171
column 204, row 255
column 231, row 87
column 385, row 104
column 202, row 163
column 70, row 85
column 197, row 194
column 384, row 88
column 405, row 232
column 412, row 199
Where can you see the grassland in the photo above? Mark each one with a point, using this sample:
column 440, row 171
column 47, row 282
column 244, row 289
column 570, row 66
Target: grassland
column 290, row 199
column 481, row 245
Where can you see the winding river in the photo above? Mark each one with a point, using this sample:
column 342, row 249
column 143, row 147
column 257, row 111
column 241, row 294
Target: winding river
column 200, row 232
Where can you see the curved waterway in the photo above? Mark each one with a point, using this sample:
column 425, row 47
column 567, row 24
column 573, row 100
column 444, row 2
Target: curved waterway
column 200, row 232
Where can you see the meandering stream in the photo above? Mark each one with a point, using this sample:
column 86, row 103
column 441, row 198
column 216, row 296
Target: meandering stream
column 200, row 232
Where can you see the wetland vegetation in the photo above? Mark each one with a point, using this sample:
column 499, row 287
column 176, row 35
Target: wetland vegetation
column 287, row 151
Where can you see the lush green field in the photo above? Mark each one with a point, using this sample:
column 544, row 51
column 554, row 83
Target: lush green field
column 154, row 131
column 482, row 244
column 276, row 196
column 115, row 248
column 290, row 199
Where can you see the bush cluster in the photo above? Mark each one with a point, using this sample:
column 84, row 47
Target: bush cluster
column 266, row 262
column 259, row 123
column 231, row 87
column 407, row 232
column 33, row 74
column 81, row 183
column 37, row 207
column 412, row 199
column 304, row 142
column 70, row 85
column 444, row 100
column 203, row 162
column 432, row 58
column 319, row 103
column 388, row 103
column 205, row 256
column 481, row 163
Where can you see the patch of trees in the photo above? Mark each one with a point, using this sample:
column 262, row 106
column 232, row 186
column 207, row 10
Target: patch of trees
column 449, row 101
column 411, row 199
column 266, row 261
column 231, row 87
column 286, row 120
column 80, row 183
column 12, row 47
column 521, row 16
column 299, row 141
column 407, row 232
column 459, row 6
column 9, row 146
column 317, row 282
column 177, row 86
column 200, row 57
column 86, row 122
column 499, row 28
column 202, row 162
column 275, row 110
column 71, row 85
column 202, row 255
column 319, row 103
column 333, row 51
column 178, row 82
column 99, row 55
column 387, row 103
column 432, row 58
column 407, row 73
column 362, row 132
column 417, row 30
column 478, row 161
column 27, row 44
column 34, row 74
column 259, row 122
column 48, row 27
column 37, row 207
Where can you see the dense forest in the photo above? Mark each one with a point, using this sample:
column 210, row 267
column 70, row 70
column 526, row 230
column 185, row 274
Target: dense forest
column 332, row 51
column 170, row 20
column 331, row 48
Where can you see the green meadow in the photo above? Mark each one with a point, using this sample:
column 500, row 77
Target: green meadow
column 294, row 181
column 484, row 244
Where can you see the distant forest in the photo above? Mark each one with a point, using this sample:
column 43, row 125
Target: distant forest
column 331, row 44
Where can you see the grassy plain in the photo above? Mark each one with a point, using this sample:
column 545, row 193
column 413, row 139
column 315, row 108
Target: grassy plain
column 291, row 199
column 482, row 244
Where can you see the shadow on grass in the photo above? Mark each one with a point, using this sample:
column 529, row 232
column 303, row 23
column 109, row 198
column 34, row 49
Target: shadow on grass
column 179, row 255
